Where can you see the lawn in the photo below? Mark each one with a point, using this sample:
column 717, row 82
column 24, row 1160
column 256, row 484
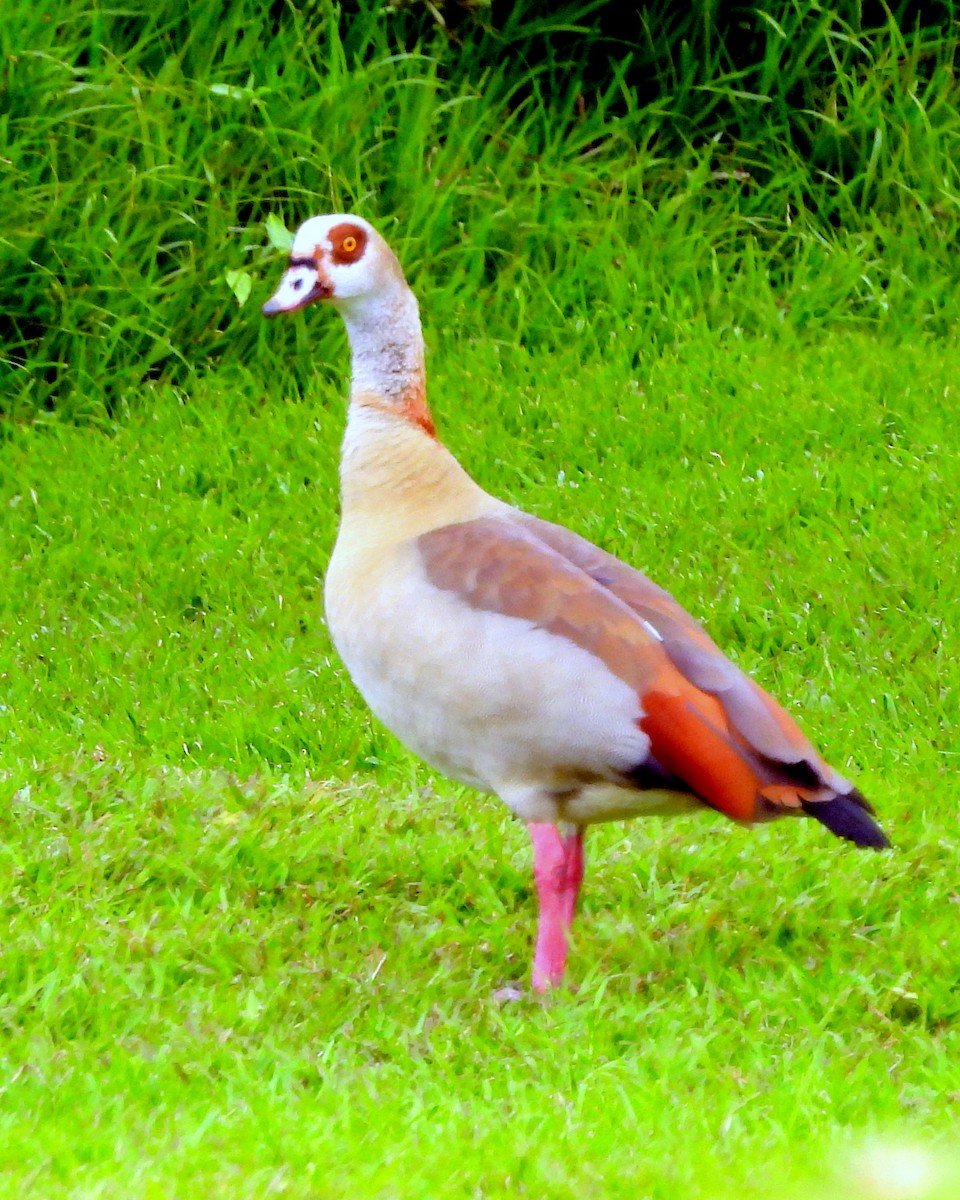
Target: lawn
column 248, row 945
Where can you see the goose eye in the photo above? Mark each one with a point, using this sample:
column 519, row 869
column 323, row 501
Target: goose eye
column 347, row 243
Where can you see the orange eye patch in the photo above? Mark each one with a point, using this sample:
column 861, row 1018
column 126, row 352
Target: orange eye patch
column 348, row 242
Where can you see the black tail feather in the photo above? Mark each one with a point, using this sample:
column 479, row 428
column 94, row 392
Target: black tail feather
column 849, row 817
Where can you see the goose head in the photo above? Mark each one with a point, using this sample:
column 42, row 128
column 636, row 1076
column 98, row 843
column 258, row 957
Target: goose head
column 341, row 258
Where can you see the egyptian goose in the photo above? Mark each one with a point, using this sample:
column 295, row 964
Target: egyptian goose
column 510, row 653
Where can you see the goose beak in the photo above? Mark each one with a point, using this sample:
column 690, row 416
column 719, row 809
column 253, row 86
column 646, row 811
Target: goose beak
column 302, row 284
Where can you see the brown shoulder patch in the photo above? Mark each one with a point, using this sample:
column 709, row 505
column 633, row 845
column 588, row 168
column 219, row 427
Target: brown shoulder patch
column 497, row 567
column 348, row 242
column 756, row 717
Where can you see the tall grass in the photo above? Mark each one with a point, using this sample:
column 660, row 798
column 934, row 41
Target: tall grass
column 786, row 162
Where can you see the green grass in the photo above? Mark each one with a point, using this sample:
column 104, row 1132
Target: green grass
column 217, row 972
column 803, row 162
column 700, row 306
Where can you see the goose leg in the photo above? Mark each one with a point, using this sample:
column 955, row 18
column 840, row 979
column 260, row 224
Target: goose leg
column 558, row 872
column 573, row 873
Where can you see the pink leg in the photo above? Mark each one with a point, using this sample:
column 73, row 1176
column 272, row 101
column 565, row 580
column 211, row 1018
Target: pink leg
column 573, row 874
column 558, row 871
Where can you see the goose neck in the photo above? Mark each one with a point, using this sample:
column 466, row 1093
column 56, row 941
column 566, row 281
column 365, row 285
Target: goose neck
column 386, row 344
